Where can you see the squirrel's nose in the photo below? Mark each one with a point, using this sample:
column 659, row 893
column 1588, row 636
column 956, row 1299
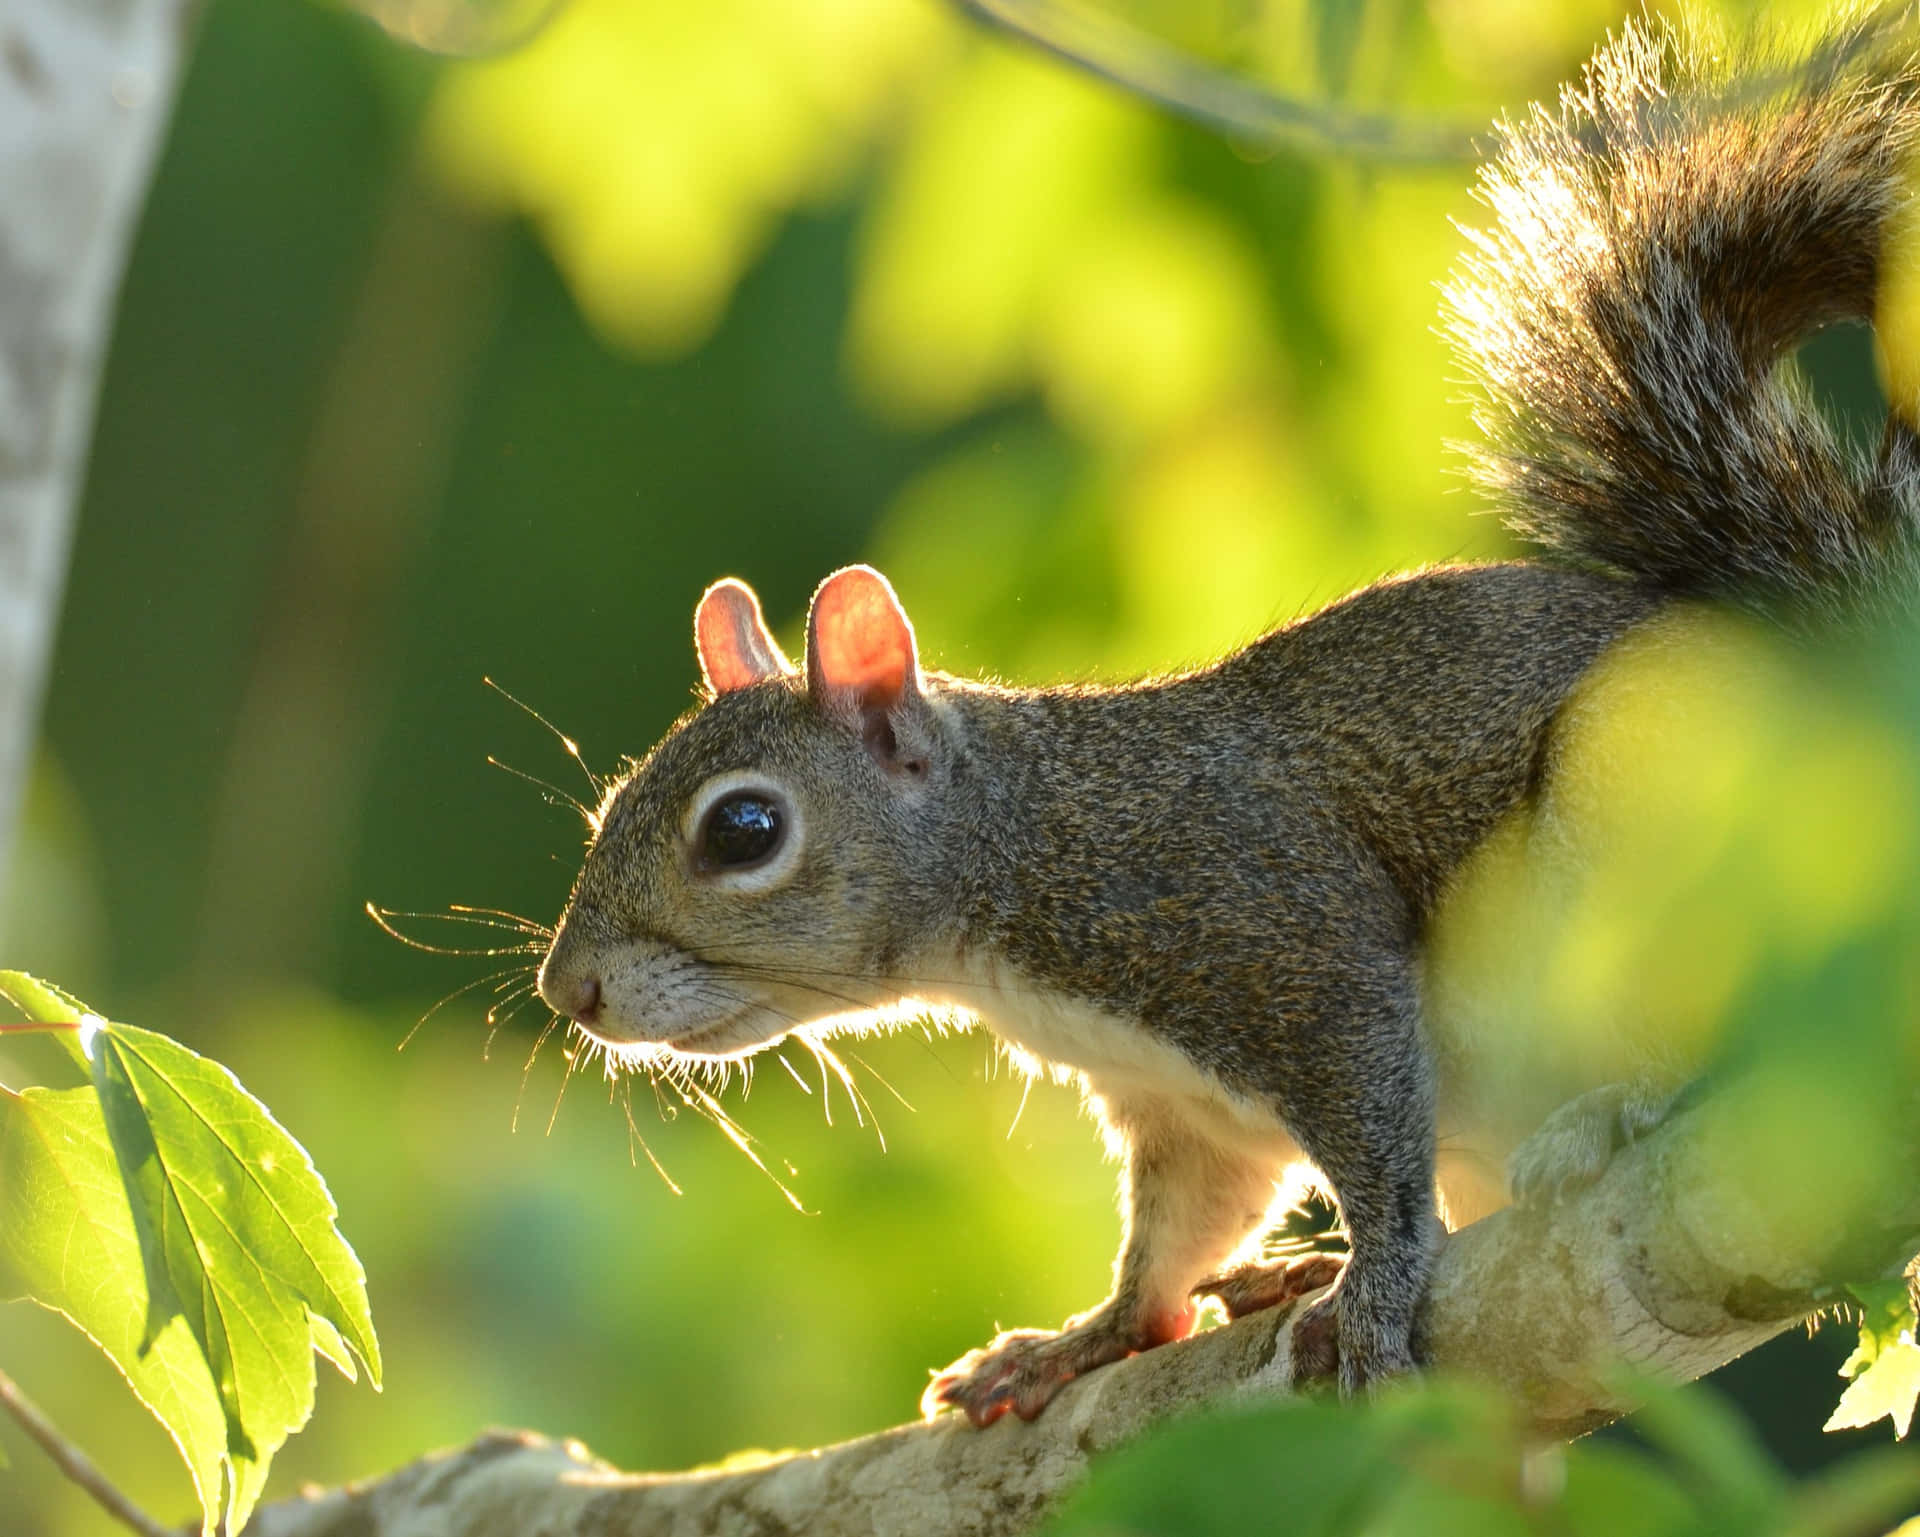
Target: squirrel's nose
column 576, row 997
column 586, row 1000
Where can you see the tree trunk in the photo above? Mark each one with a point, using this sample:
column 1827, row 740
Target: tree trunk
column 85, row 89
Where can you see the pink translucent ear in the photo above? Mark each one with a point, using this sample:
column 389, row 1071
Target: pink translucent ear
column 732, row 639
column 861, row 661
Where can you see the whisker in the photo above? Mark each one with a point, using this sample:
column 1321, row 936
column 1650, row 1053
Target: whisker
column 634, row 1138
column 518, row 921
column 880, row 1078
column 566, row 1078
column 793, row 1073
column 554, row 795
column 862, row 1111
column 572, row 747
column 477, row 917
column 460, row 991
column 1026, row 1092
column 775, row 974
column 704, row 1102
column 380, row 916
column 526, row 1071
column 503, row 1011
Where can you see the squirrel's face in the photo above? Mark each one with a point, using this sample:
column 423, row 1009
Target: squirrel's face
column 753, row 872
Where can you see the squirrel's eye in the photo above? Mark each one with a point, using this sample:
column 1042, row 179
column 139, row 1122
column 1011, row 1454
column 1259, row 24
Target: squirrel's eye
column 743, row 829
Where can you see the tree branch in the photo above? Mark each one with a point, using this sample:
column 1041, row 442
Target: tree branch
column 73, row 1462
column 1664, row 1264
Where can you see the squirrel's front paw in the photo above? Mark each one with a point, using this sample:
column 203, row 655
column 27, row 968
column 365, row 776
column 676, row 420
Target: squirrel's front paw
column 1022, row 1369
column 1260, row 1284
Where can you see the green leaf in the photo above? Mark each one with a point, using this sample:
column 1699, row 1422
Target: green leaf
column 1887, row 1389
column 1886, row 1313
column 67, row 1242
column 223, row 1245
column 237, row 1231
column 46, row 1004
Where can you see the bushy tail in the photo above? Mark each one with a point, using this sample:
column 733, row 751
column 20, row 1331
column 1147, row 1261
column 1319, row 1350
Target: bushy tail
column 1659, row 243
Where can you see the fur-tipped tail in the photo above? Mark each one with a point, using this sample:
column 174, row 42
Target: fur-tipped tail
column 1659, row 243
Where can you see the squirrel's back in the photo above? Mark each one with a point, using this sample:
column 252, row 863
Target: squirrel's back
column 1660, row 243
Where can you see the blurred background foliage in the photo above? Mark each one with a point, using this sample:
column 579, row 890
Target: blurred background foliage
column 429, row 368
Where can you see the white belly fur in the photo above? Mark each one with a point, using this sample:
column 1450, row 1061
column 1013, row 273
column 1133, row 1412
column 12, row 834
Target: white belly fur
column 1115, row 1061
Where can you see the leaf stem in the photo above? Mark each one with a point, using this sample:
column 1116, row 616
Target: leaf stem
column 74, row 1463
column 27, row 1026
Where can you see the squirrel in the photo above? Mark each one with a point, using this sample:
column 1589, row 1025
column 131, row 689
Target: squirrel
column 1214, row 897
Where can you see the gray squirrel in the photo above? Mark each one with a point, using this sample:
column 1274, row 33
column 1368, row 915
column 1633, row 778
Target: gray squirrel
column 1213, row 897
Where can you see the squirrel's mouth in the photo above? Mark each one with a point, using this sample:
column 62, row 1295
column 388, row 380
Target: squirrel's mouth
column 730, row 1037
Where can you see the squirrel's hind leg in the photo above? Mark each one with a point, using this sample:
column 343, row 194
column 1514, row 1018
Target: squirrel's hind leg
column 1190, row 1201
column 1363, row 1108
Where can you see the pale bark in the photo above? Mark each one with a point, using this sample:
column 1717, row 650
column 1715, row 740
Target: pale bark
column 1666, row 1264
column 85, row 90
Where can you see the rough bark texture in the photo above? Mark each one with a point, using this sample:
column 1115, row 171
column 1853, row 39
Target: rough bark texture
column 85, row 88
column 1664, row 1264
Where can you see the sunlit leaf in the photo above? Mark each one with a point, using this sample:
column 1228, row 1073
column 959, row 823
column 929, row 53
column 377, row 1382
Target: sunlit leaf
column 43, row 1002
column 1888, row 1389
column 217, row 1245
column 1886, row 1313
column 67, row 1242
column 237, row 1231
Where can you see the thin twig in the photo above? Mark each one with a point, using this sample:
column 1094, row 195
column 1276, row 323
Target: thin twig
column 75, row 1464
column 1138, row 62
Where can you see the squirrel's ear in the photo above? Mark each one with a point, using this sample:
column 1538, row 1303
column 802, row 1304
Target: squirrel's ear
column 861, row 662
column 732, row 639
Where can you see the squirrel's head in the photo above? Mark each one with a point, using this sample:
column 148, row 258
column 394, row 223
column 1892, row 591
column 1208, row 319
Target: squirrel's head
column 765, row 865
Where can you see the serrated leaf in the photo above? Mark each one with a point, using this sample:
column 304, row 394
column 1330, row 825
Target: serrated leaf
column 237, row 1231
column 227, row 1252
column 45, row 1003
column 67, row 1242
column 1888, row 1389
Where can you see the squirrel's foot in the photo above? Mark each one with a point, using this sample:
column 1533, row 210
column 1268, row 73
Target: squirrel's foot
column 1022, row 1369
column 1575, row 1144
column 1361, row 1347
column 1261, row 1284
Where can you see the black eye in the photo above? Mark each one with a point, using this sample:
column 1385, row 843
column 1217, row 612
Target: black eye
column 742, row 829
